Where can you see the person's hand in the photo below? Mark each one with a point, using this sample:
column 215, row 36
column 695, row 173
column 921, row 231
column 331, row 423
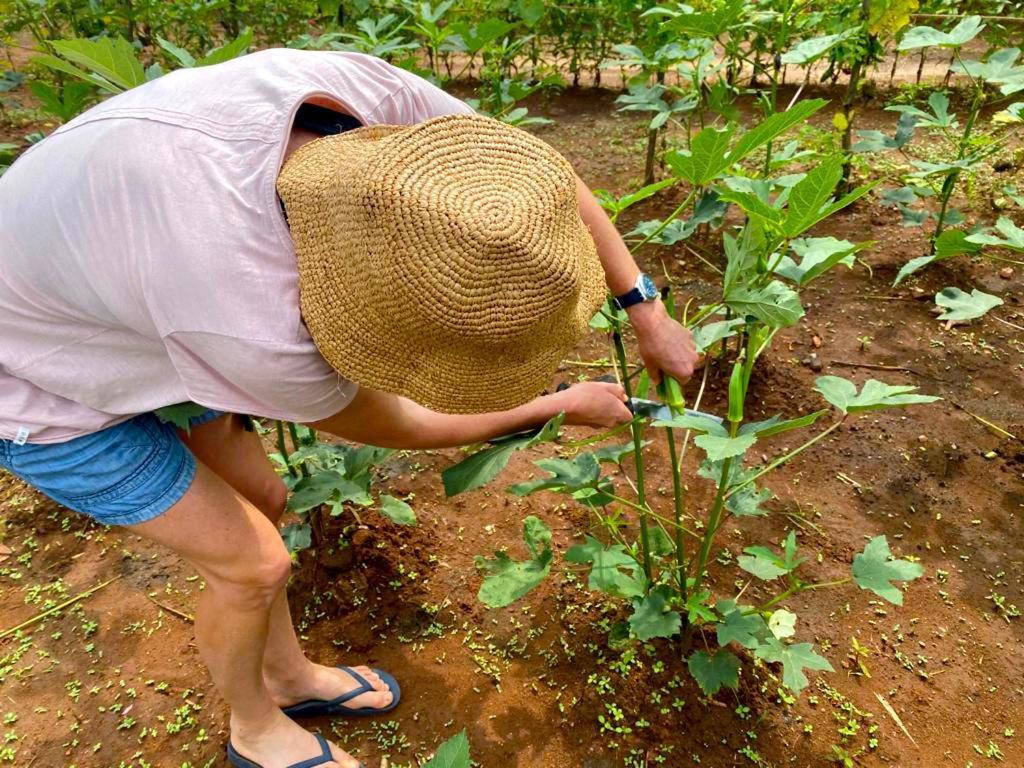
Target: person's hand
column 666, row 346
column 593, row 404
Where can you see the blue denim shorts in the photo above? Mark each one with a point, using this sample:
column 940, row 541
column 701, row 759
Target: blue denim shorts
column 122, row 475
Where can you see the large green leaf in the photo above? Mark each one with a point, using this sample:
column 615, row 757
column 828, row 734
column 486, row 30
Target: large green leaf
column 613, row 569
column 297, row 536
column 767, row 564
column 740, row 625
column 928, row 37
column 180, row 415
column 566, row 475
column 707, row 157
column 507, row 580
column 397, row 510
column 112, row 58
column 711, row 333
column 1012, row 236
column 776, row 304
column 179, row 54
column 454, row 753
column 950, row 243
column 874, row 395
column 324, row 487
column 794, row 659
column 713, row 671
column 772, row 127
column 876, row 568
column 776, row 424
column 228, row 51
column 999, row 68
column 817, row 256
column 652, row 616
column 811, row 49
column 695, row 423
column 484, row 465
column 718, row 447
column 965, row 306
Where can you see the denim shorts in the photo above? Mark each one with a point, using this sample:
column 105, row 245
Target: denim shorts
column 122, row 475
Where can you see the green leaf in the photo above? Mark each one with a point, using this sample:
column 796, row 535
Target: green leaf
column 613, row 569
column 782, row 623
column 714, row 671
column 1012, row 236
column 887, row 17
column 567, row 476
column 454, row 753
column 794, row 659
column 483, row 466
column 297, row 536
column 697, row 609
column 508, row 580
column 877, row 141
column 397, row 510
column 747, row 629
column 112, row 58
column 807, row 51
column 652, row 617
column 776, row 424
column 660, row 542
column 874, row 395
column 717, row 447
column 60, row 65
column 965, row 306
column 776, row 304
column 760, row 566
column 613, row 454
column 707, row 157
column 808, row 198
column 747, row 501
column 817, row 256
column 694, row 423
column 772, row 127
column 939, row 117
column 180, row 415
column 179, row 54
column 326, row 486
column 875, row 569
column 711, row 333
column 913, row 266
column 231, row 50
column 928, row 37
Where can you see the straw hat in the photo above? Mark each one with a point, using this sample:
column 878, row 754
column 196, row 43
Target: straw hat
column 444, row 261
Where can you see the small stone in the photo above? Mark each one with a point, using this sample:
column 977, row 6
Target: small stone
column 816, row 341
column 1006, row 273
column 922, row 438
column 814, row 363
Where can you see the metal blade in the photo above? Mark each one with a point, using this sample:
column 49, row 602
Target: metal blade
column 659, row 411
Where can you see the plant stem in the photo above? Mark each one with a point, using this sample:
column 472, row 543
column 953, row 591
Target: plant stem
column 949, row 184
column 661, row 227
column 297, row 444
column 57, row 608
column 282, row 448
column 638, row 457
column 783, row 459
column 677, row 498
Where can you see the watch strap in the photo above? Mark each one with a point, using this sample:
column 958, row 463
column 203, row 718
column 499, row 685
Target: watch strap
column 628, row 299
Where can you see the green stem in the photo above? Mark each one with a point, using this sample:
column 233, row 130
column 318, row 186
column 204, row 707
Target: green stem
column 677, row 498
column 638, row 458
column 282, row 448
column 661, row 227
column 949, row 184
column 794, row 589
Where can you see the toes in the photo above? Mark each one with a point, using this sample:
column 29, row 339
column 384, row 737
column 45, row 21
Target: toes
column 372, row 678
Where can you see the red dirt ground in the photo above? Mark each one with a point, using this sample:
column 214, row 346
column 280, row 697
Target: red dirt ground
column 529, row 682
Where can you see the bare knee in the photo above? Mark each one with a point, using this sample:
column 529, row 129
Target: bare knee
column 254, row 582
column 271, row 499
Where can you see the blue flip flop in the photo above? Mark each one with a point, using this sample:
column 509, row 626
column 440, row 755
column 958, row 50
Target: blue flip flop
column 323, row 758
column 334, row 707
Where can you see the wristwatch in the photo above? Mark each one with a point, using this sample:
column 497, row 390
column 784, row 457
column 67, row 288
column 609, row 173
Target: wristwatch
column 643, row 290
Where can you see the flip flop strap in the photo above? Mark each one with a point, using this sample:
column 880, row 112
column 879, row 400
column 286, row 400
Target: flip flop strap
column 324, row 758
column 364, row 687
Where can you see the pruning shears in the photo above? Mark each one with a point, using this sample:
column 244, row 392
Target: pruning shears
column 652, row 409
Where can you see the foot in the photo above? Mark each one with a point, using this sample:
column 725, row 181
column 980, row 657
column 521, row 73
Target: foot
column 316, row 681
column 280, row 743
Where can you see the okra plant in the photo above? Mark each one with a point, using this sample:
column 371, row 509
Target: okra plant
column 657, row 557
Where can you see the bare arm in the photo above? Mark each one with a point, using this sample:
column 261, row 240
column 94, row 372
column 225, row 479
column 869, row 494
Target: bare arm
column 664, row 344
column 390, row 421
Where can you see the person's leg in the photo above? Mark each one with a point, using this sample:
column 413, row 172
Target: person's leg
column 238, row 457
column 240, row 555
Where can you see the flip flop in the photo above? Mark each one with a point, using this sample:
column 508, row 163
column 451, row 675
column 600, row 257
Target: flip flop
column 320, row 707
column 322, row 759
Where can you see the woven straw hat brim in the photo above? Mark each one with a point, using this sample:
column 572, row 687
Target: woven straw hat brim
column 445, row 262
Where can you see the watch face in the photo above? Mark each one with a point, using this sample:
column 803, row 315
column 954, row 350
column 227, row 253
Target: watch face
column 648, row 288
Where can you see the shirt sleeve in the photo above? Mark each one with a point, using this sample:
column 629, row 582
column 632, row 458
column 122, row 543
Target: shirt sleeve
column 417, row 100
column 269, row 379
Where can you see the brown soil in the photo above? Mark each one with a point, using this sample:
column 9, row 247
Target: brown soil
column 530, row 682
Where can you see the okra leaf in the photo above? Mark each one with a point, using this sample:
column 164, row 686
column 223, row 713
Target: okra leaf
column 598, row 496
column 508, row 579
column 939, row 117
column 927, row 37
column 652, row 616
column 707, row 157
column 1013, row 236
column 747, row 501
column 794, row 659
column 112, row 58
column 297, row 536
column 711, row 333
column 776, row 304
column 772, row 127
column 581, row 472
column 713, row 671
column 179, row 54
column 807, row 51
column 613, row 454
column 324, row 487
column 697, row 609
column 766, row 564
column 877, row 141
column 613, row 569
column 960, row 305
column 180, row 415
column 753, row 206
column 876, row 568
column 874, row 395
column 454, row 753
column 747, row 629
column 950, row 243
column 718, row 447
column 228, row 51
column 484, row 465
column 817, row 256
column 776, row 424
column 397, row 511
column 694, row 423
column 659, row 542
